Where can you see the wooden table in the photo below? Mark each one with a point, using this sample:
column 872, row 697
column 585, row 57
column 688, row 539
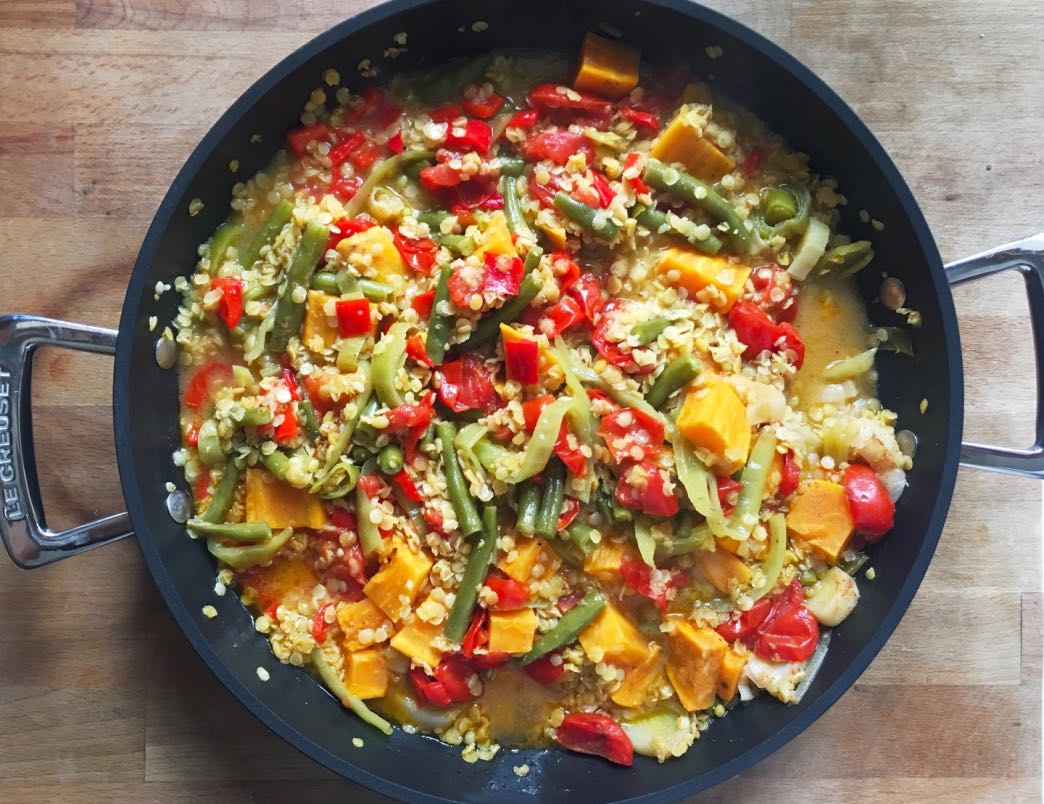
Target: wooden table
column 101, row 698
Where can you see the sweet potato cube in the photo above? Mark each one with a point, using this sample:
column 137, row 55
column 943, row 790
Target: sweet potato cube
column 528, row 554
column 356, row 617
column 820, row 517
column 680, row 142
column 414, row 641
column 634, row 688
column 732, row 664
column 366, row 673
column 714, row 419
column 495, row 237
column 396, row 585
column 707, row 278
column 721, row 567
column 606, row 68
column 319, row 332
column 694, row 664
column 556, row 234
column 605, row 560
column 512, row 631
column 611, row 637
column 280, row 504
column 378, row 244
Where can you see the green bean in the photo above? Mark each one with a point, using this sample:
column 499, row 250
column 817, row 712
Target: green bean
column 369, row 533
column 276, row 462
column 225, row 236
column 255, row 417
column 474, row 574
column 773, row 219
column 809, row 578
column 609, row 507
column 439, row 323
column 335, row 683
column 847, row 259
column 380, row 172
column 528, row 508
column 554, row 496
column 433, row 218
column 489, row 327
column 266, row 236
column 568, row 627
column 695, row 538
column 389, row 356
column 657, row 222
column 532, row 259
column 311, row 422
column 237, row 531
column 854, row 564
column 224, row 494
column 677, row 374
column 699, row 194
column 241, row 557
column 582, row 537
column 290, row 310
column 375, row 291
column 411, row 173
column 456, row 485
column 461, row 245
column 649, row 331
column 622, row 397
column 390, row 459
column 326, row 282
column 516, row 221
column 755, row 475
column 511, row 166
column 209, row 444
column 594, row 220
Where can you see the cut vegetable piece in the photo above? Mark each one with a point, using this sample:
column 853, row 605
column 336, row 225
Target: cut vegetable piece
column 634, row 689
column 820, row 517
column 681, row 142
column 415, row 642
column 359, row 616
column 527, row 554
column 512, row 631
column 318, row 332
column 714, row 419
column 732, row 664
column 397, row 584
column 377, row 243
column 366, row 674
column 280, row 504
column 606, row 68
column 495, row 237
column 613, row 638
column 694, row 664
column 707, row 278
column 721, row 568
column 605, row 560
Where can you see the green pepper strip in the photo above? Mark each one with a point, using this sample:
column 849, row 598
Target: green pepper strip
column 528, row 508
column 554, row 497
column 790, row 196
column 584, row 424
column 474, row 574
column 848, row 259
column 755, row 475
column 699, row 194
column 333, row 681
column 389, row 356
column 237, row 531
column 678, row 373
column 456, row 485
column 657, row 222
column 568, row 627
column 289, row 313
column 700, row 486
column 490, row 454
column 542, row 442
column 344, row 438
column 594, row 220
column 225, row 236
column 772, row 566
column 369, row 533
column 439, row 323
column 696, row 538
column 380, row 172
column 243, row 557
column 223, row 494
column 516, row 221
column 266, row 236
column 649, row 331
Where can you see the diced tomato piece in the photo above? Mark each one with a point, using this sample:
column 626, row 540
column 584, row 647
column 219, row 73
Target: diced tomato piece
column 556, row 145
column 341, row 151
column 610, row 349
column 592, row 733
column 353, row 317
column 756, row 330
column 562, row 315
column 320, row 625
column 404, row 483
column 565, row 269
column 481, row 107
column 467, row 384
column 556, row 96
column 873, row 510
column 439, row 177
column 477, row 634
column 364, row 156
column 344, row 189
column 642, row 120
column 511, row 594
column 453, row 674
column 206, row 377
column 429, row 690
column 417, row 351
column 570, row 511
column 651, row 497
column 632, row 435
column 395, row 144
column 588, row 291
column 547, row 669
column 287, row 430
column 474, row 135
column 411, row 422
column 503, row 274
column 230, row 307
column 422, row 303
column 299, row 138
column 524, row 119
column 522, row 360
column 420, row 255
column 791, row 475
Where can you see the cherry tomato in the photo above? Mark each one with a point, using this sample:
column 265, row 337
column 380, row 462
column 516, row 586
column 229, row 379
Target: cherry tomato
column 557, row 146
column 556, row 96
column 420, row 254
column 447, row 113
column 410, row 422
column 611, row 350
column 439, row 177
column 873, row 510
column 649, row 496
column 592, row 733
column 545, row 670
column 747, row 623
column 757, row 331
column 503, row 274
column 790, row 632
column 511, row 594
column 632, row 435
column 364, row 156
column 230, row 308
column 299, row 138
column 204, row 380
column 588, row 291
column 287, row 430
column 775, row 291
column 467, row 384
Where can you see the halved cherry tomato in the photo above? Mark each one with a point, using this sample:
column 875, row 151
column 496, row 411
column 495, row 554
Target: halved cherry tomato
column 747, row 623
column 467, row 384
column 588, row 291
column 776, row 292
column 511, row 594
column 200, row 385
column 632, row 435
column 570, row 511
column 873, row 510
column 481, row 107
column 299, row 138
column 757, row 331
column 545, row 670
column 342, row 150
column 557, row 146
column 474, row 135
column 611, row 349
column 779, row 628
column 638, row 576
column 230, row 308
column 651, row 497
column 592, row 733
column 556, row 96
column 503, row 274
column 420, row 255
column 410, row 422
column 353, row 317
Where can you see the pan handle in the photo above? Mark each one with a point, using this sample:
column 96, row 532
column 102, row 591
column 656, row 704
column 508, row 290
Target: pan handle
column 22, row 525
column 1027, row 257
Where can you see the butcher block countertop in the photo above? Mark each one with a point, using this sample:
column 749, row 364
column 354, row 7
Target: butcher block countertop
column 103, row 699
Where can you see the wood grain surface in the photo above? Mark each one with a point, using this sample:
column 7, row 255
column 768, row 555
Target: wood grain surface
column 102, row 699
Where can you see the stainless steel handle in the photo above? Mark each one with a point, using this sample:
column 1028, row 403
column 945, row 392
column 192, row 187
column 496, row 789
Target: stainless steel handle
column 1027, row 257
column 22, row 526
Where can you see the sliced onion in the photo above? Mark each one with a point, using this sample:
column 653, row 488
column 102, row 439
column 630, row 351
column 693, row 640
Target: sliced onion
column 895, row 481
column 811, row 248
column 849, row 367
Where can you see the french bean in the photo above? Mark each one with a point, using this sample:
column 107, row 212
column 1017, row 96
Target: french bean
column 439, row 323
column 785, row 210
column 326, row 282
column 290, row 308
column 677, row 374
column 276, row 462
column 516, row 221
column 699, row 194
column 511, row 166
column 582, row 537
column 554, row 496
column 225, row 236
column 433, row 218
column 481, row 557
column 224, row 494
column 237, row 531
column 848, row 259
column 649, row 331
column 657, row 222
column 266, row 236
column 456, row 485
column 568, row 627
column 374, row 291
column 461, row 245
column 390, row 459
column 528, row 508
column 594, row 220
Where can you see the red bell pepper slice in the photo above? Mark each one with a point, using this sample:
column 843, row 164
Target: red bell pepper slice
column 395, row 143
column 632, row 435
column 642, row 120
column 200, row 385
column 570, row 511
column 404, row 483
column 561, row 316
column 416, row 351
column 474, row 135
column 556, row 96
column 447, row 113
column 757, row 331
column 556, row 145
column 299, row 138
column 353, row 317
column 466, row 384
column 791, row 475
column 503, row 274
column 320, row 625
column 522, row 360
column 602, row 188
column 524, row 119
column 651, row 498
column 346, row 227
column 547, row 669
column 592, row 733
column 873, row 510
column 429, row 690
column 420, row 254
column 341, row 151
column 230, row 308
column 287, row 430
column 588, row 291
column 364, row 156
column 639, row 186
column 638, row 576
column 728, row 490
column 478, row 106
column 411, row 422
column 422, row 303
column 566, row 271
column 511, row 594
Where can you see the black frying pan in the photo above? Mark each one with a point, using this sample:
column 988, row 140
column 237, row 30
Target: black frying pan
column 793, row 102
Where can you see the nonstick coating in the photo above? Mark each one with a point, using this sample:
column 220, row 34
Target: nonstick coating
column 793, row 102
